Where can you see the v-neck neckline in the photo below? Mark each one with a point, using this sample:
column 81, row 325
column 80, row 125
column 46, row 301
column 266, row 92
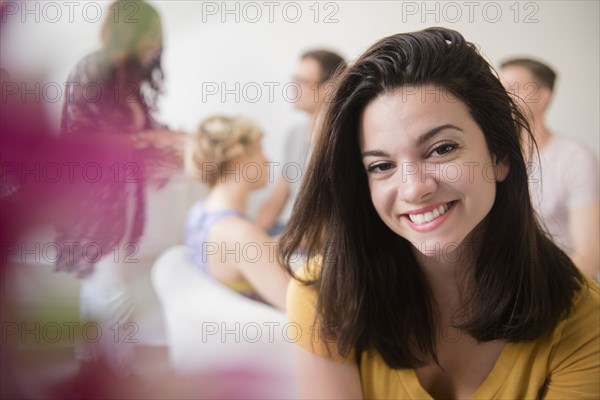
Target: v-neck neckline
column 492, row 383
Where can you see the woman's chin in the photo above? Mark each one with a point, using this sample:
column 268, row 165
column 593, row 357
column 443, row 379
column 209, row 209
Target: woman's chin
column 441, row 250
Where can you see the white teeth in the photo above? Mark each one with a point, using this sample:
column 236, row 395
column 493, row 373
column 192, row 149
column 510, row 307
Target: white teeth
column 429, row 216
column 417, row 218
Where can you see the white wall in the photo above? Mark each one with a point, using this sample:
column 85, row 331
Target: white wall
column 563, row 33
column 201, row 49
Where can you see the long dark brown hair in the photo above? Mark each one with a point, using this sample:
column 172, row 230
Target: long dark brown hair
column 372, row 292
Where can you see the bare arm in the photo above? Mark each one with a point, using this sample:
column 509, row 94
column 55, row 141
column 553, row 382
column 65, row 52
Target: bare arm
column 259, row 263
column 321, row 372
column 272, row 207
column 584, row 231
column 320, row 378
column 160, row 138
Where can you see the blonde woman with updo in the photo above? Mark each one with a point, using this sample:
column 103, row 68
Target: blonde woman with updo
column 225, row 154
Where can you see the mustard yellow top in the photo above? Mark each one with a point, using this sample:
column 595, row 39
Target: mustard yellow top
column 568, row 357
column 241, row 286
column 244, row 288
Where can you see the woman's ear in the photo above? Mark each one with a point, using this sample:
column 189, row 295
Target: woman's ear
column 502, row 168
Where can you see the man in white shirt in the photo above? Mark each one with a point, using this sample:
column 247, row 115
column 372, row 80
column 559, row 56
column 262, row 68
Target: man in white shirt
column 564, row 179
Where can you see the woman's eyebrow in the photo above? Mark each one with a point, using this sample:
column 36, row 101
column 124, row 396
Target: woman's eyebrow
column 432, row 132
column 374, row 153
column 420, row 140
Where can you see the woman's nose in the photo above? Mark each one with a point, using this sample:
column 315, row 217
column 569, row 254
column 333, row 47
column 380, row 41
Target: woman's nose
column 417, row 183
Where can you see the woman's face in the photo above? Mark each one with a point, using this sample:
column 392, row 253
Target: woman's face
column 308, row 76
column 431, row 176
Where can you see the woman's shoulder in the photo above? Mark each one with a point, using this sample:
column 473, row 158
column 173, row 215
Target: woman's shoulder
column 202, row 213
column 573, row 366
column 302, row 298
column 578, row 334
column 301, row 306
column 88, row 68
column 90, row 58
column 586, row 307
column 230, row 225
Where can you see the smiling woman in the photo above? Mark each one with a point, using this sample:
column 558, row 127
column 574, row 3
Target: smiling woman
column 430, row 275
column 409, row 148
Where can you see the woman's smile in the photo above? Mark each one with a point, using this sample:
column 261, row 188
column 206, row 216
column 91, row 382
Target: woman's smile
column 427, row 165
column 428, row 218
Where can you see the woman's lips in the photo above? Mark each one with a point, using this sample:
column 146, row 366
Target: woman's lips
column 428, row 218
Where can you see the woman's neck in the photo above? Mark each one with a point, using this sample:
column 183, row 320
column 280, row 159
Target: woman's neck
column 447, row 276
column 228, row 195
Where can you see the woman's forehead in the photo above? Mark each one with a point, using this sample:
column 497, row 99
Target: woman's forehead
column 409, row 110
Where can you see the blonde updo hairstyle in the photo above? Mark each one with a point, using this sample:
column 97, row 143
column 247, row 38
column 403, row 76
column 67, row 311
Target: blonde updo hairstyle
column 218, row 141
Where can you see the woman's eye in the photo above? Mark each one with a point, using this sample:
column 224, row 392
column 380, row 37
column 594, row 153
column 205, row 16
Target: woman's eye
column 444, row 149
column 381, row 167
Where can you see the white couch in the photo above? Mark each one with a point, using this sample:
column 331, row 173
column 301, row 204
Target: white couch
column 212, row 331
